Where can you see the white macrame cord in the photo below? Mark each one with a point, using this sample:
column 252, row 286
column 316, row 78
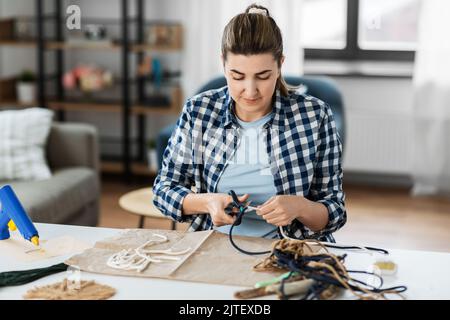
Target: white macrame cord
column 138, row 259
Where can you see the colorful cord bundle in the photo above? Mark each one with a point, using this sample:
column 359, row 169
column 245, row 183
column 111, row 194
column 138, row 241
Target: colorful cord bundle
column 325, row 268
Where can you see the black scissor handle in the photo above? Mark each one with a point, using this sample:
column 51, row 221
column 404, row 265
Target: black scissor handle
column 236, row 202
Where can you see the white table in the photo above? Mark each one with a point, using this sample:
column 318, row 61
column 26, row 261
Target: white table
column 426, row 274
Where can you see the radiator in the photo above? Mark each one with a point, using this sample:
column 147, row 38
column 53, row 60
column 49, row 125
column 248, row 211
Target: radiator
column 378, row 143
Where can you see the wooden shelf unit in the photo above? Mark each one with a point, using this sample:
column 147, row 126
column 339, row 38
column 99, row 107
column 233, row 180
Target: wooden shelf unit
column 61, row 45
column 18, row 43
column 17, row 104
column 136, row 109
column 124, row 47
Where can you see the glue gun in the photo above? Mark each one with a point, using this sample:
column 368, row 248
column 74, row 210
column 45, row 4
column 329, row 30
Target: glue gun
column 13, row 216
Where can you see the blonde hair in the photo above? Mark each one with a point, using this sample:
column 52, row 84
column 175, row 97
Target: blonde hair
column 255, row 32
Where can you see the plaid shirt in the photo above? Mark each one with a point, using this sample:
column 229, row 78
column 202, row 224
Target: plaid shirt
column 303, row 146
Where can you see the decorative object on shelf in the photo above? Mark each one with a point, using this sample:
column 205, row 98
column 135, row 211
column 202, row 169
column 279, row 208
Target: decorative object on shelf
column 94, row 35
column 95, row 32
column 26, row 87
column 23, row 29
column 164, row 35
column 151, row 67
column 87, row 78
column 157, row 72
column 7, row 29
column 156, row 93
column 152, row 156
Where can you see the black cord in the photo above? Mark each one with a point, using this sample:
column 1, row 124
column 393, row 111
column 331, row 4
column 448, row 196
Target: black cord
column 236, row 203
column 334, row 246
column 283, row 296
column 230, row 236
column 380, row 278
column 239, row 220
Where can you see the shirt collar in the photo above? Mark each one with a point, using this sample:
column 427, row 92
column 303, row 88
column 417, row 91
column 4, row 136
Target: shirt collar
column 276, row 122
column 228, row 117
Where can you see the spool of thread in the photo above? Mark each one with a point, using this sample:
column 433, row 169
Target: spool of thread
column 386, row 267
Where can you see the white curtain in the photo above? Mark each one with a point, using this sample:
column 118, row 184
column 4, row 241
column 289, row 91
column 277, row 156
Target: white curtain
column 205, row 21
column 431, row 164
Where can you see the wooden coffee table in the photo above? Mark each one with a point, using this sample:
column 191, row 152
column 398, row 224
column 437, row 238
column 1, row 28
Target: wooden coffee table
column 140, row 202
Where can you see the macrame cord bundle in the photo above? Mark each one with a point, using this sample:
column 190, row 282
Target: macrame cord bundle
column 325, row 268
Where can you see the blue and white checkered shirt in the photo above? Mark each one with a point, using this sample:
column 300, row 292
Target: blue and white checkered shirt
column 303, row 145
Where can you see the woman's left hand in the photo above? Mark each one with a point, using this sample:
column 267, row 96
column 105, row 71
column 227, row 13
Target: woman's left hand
column 281, row 210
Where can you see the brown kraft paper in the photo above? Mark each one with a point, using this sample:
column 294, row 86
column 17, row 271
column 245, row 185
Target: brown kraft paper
column 212, row 259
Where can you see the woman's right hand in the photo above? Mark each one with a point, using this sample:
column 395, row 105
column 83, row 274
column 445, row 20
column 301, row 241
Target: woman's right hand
column 217, row 203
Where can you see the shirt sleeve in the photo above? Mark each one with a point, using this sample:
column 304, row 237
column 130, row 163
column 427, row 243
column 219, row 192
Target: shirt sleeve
column 175, row 177
column 326, row 186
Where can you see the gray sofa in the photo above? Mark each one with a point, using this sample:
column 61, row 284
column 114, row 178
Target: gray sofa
column 72, row 194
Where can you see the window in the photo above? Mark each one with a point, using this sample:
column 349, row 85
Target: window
column 324, row 24
column 388, row 25
column 360, row 29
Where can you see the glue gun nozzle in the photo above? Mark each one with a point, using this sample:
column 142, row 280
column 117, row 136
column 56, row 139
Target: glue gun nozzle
column 35, row 240
column 12, row 225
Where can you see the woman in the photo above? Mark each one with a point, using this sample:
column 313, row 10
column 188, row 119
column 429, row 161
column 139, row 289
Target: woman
column 278, row 148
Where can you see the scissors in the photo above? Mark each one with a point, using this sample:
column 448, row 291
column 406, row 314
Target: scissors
column 241, row 206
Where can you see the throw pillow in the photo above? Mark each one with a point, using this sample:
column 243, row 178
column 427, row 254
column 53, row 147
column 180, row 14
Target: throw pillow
column 23, row 137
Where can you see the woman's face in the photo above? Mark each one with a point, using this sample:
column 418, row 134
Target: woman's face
column 251, row 82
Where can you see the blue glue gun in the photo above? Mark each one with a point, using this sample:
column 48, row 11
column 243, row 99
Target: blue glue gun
column 13, row 216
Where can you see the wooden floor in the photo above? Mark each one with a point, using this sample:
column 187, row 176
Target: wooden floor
column 388, row 218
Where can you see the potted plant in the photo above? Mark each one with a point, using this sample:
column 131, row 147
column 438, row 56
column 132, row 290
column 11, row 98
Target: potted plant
column 152, row 155
column 26, row 87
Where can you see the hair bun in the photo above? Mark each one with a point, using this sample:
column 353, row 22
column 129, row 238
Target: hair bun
column 258, row 10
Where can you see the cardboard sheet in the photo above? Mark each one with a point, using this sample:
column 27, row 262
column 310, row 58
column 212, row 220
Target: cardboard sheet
column 212, row 258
